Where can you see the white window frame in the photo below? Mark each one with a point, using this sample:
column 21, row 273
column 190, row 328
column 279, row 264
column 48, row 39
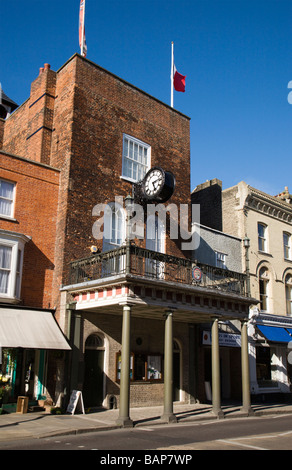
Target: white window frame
column 16, row 242
column 287, row 246
column 264, row 281
column 141, row 166
column 220, row 260
column 288, row 294
column 263, row 239
column 155, row 241
column 114, row 236
column 12, row 200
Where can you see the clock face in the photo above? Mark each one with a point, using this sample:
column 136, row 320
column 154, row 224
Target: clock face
column 154, row 181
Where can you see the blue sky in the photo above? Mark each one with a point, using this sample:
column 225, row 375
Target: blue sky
column 236, row 54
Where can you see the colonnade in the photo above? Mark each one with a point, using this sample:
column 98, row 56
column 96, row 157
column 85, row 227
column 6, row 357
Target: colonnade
column 124, row 419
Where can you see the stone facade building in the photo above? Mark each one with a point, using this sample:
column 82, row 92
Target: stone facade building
column 266, row 223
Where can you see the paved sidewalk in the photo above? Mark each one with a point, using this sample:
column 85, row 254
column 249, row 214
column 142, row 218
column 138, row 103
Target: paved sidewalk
column 39, row 425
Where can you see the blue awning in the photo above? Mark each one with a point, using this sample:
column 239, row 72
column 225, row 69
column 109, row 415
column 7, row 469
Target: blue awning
column 290, row 331
column 274, row 333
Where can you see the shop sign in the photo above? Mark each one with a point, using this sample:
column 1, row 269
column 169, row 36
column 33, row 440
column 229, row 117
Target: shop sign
column 225, row 339
column 196, row 274
column 75, row 403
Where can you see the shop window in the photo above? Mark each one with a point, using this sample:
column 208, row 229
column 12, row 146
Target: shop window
column 143, row 367
column 266, row 366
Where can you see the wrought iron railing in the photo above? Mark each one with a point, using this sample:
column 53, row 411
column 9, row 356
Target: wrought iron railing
column 149, row 264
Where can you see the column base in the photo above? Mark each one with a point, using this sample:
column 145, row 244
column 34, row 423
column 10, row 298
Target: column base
column 125, row 422
column 247, row 411
column 169, row 418
column 218, row 413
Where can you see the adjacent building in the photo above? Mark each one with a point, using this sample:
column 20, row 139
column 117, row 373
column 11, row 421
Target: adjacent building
column 265, row 222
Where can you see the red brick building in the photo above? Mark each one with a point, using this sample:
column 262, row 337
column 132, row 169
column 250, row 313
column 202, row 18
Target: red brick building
column 90, row 137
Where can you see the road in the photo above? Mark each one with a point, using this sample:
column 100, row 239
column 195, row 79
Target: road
column 256, row 433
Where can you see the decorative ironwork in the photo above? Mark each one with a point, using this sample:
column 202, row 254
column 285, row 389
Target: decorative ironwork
column 140, row 262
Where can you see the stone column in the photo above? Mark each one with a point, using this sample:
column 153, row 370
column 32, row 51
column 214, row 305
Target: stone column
column 168, row 370
column 124, row 409
column 246, row 406
column 216, row 385
column 76, row 346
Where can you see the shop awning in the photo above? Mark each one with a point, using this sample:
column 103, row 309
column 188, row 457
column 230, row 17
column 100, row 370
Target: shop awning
column 290, row 332
column 35, row 329
column 275, row 333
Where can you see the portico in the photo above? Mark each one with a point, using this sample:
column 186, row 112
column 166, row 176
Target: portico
column 148, row 304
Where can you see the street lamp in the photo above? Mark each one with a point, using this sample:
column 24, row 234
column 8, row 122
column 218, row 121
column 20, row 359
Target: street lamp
column 246, row 243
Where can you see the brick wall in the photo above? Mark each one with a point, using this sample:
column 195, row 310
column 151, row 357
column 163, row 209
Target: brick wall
column 74, row 120
column 35, row 216
column 28, row 130
column 2, row 123
column 93, row 109
column 209, row 196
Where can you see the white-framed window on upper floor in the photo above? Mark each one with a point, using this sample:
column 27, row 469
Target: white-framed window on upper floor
column 264, row 278
column 136, row 158
column 7, row 198
column 220, row 259
column 114, row 226
column 287, row 245
column 11, row 263
column 288, row 293
column 262, row 237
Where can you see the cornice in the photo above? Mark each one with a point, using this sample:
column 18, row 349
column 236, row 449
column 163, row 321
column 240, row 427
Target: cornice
column 268, row 205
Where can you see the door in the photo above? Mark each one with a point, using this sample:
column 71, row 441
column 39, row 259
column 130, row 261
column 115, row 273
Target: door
column 94, row 372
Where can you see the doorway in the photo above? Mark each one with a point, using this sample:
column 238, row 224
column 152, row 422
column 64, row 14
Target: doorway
column 176, row 371
column 93, row 386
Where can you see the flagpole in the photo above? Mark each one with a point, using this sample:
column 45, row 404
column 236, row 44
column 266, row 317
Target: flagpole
column 83, row 27
column 171, row 77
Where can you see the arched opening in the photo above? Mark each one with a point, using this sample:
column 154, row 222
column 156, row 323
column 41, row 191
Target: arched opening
column 93, row 385
column 264, row 289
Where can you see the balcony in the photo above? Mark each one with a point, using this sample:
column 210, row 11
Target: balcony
column 143, row 264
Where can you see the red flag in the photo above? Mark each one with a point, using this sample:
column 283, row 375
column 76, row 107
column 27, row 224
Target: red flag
column 179, row 80
column 82, row 40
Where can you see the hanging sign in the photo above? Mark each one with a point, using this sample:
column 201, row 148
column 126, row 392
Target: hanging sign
column 75, row 403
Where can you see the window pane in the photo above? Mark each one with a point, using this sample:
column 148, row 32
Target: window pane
column 5, row 257
column 287, row 245
column 6, row 197
column 135, row 158
column 262, row 237
column 5, row 266
column 6, row 189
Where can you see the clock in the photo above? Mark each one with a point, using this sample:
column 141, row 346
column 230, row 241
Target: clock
column 158, row 185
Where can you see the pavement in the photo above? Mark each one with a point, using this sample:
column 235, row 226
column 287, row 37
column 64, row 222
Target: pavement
column 43, row 424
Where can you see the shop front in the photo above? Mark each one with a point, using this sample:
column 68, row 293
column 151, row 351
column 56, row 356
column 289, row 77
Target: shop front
column 27, row 338
column 270, row 345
